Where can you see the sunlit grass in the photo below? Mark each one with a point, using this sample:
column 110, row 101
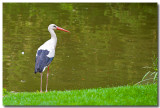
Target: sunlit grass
column 127, row 95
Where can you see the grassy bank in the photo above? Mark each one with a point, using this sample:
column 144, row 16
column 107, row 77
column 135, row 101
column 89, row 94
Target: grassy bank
column 127, row 95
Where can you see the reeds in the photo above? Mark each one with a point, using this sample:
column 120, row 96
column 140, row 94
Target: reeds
column 151, row 76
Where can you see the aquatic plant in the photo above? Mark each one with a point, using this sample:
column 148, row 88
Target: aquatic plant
column 151, row 76
column 5, row 92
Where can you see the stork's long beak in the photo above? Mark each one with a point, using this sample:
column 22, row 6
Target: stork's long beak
column 59, row 28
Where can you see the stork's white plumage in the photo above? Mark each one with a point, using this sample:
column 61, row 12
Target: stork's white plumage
column 46, row 52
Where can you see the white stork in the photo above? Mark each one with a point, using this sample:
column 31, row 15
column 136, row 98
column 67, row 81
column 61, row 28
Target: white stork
column 46, row 52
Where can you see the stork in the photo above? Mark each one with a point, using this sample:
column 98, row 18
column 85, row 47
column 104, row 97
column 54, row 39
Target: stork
column 46, row 53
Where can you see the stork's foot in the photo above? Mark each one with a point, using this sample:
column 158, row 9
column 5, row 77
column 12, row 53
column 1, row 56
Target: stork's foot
column 41, row 91
column 46, row 90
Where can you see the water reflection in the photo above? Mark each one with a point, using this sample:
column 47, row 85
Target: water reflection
column 109, row 44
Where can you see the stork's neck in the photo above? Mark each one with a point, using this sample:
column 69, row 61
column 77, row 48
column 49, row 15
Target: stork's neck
column 53, row 34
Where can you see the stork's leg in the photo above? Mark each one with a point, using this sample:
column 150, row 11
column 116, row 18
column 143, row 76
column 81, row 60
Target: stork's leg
column 47, row 79
column 41, row 83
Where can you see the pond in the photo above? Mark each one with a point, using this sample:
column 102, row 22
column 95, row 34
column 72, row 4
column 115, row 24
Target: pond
column 109, row 44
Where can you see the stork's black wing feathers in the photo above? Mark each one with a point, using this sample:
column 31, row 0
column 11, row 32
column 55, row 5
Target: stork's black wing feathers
column 42, row 60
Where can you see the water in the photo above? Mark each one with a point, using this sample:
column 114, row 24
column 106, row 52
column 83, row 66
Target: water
column 109, row 44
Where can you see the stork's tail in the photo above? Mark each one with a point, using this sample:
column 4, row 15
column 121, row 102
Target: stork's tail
column 38, row 69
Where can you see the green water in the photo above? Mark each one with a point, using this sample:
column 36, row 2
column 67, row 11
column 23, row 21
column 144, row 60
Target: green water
column 109, row 44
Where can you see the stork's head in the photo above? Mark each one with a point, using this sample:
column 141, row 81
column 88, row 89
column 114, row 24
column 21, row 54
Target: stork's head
column 54, row 27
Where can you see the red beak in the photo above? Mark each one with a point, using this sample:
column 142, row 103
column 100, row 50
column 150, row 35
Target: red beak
column 59, row 28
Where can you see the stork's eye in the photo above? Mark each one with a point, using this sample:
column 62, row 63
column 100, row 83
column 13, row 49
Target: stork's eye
column 54, row 26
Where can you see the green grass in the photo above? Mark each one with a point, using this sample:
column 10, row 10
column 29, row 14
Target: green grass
column 123, row 95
